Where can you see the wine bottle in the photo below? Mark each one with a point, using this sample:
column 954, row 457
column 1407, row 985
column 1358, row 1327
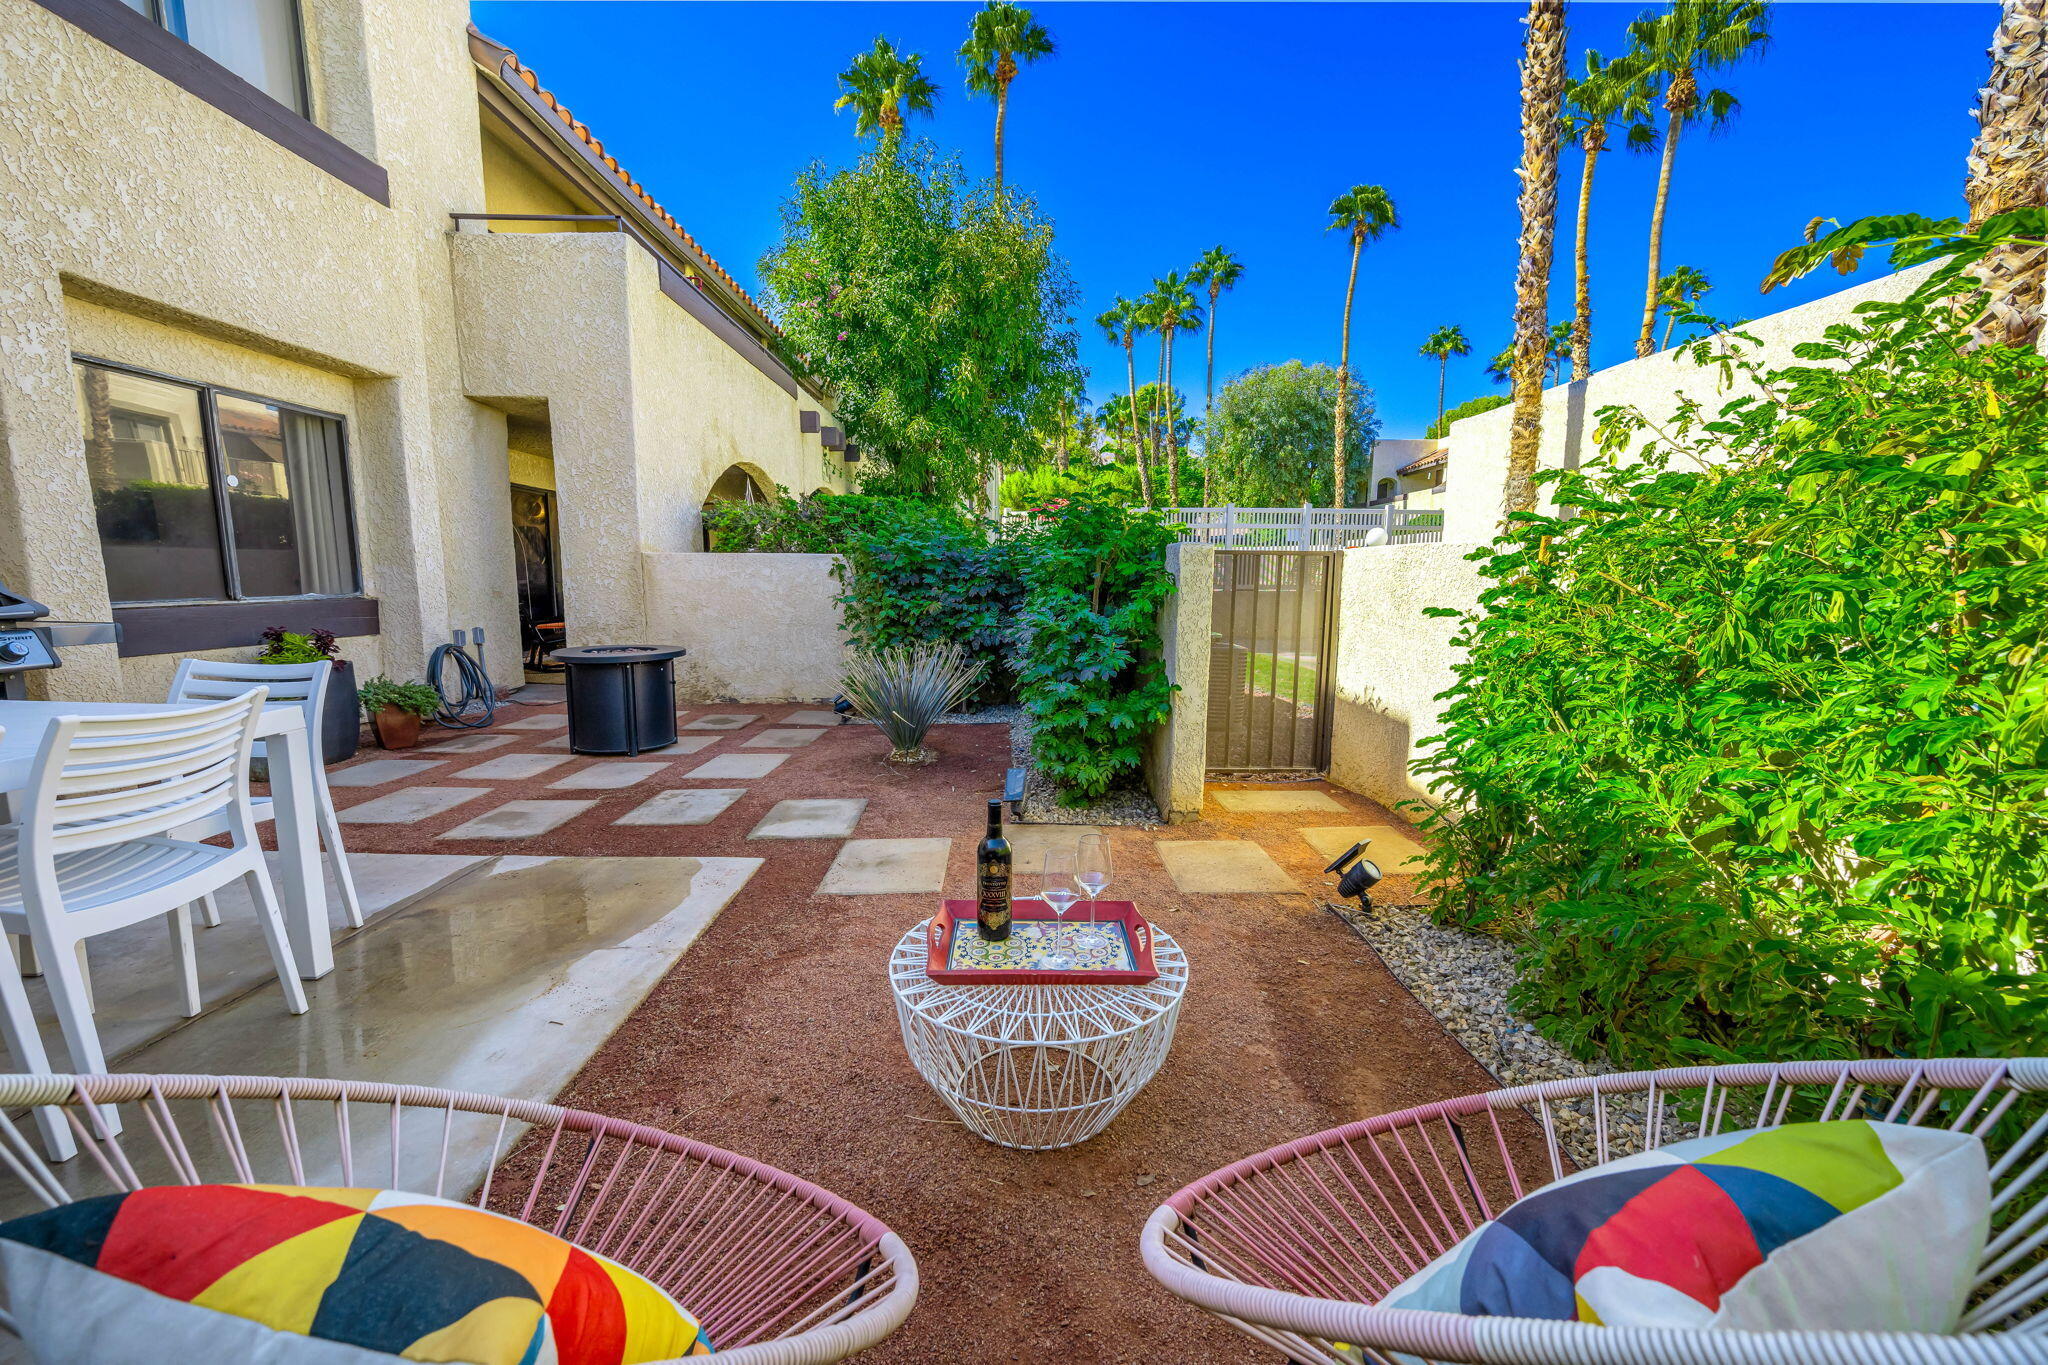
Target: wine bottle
column 992, row 864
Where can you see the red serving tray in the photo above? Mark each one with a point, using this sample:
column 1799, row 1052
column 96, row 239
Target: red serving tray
column 1115, row 916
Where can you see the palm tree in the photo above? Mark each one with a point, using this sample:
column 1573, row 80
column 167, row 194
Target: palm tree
column 1366, row 212
column 2009, row 170
column 1173, row 310
column 1444, row 343
column 1610, row 93
column 1674, row 49
column 1676, row 294
column 1542, row 97
column 1557, row 348
column 881, row 87
column 1002, row 35
column 1219, row 270
column 1120, row 323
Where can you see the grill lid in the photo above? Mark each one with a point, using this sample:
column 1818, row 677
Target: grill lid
column 618, row 654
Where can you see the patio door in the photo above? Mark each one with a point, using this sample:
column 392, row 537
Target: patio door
column 533, row 553
column 1271, row 646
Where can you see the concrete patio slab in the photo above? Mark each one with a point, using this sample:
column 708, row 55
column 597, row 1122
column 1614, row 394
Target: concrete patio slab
column 739, row 765
column 1221, row 866
column 683, row 806
column 780, row 739
column 413, row 803
column 820, row 818
column 377, row 771
column 519, row 820
column 720, row 722
column 1393, row 849
column 551, row 722
column 471, row 744
column 135, row 985
column 503, row 982
column 810, row 718
column 1028, row 844
column 514, row 765
column 607, row 776
column 1277, row 802
column 887, row 867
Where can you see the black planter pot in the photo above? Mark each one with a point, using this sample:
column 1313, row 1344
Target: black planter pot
column 341, row 716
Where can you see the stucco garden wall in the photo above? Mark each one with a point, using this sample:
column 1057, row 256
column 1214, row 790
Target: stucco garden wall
column 1177, row 755
column 759, row 627
column 1392, row 661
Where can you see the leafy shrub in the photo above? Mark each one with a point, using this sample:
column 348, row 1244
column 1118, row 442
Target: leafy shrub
column 1269, row 440
column 1089, row 671
column 1471, row 407
column 905, row 690
column 822, row 523
column 281, row 646
column 1749, row 753
column 926, row 579
column 1029, row 489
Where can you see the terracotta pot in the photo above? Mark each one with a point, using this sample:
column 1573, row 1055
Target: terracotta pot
column 396, row 728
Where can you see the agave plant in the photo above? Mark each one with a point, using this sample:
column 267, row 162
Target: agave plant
column 905, row 690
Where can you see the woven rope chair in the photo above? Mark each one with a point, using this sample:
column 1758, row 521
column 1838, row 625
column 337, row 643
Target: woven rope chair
column 1294, row 1246
column 775, row 1269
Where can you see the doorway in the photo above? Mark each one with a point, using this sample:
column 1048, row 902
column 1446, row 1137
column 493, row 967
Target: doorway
column 534, row 556
column 1272, row 628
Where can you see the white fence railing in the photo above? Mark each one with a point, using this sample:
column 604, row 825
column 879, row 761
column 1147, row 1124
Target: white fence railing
column 1305, row 528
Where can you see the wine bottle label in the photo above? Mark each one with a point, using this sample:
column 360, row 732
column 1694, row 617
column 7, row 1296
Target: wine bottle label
column 994, row 900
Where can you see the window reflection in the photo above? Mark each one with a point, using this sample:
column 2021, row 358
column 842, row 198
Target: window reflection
column 145, row 455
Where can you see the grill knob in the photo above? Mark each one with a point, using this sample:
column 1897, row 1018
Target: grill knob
column 12, row 651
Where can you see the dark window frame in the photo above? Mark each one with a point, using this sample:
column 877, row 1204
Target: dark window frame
column 169, row 15
column 216, row 469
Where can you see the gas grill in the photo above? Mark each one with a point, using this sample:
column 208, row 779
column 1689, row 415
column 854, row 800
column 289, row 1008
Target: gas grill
column 29, row 641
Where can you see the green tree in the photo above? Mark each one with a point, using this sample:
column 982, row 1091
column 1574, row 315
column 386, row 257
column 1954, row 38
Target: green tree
column 1557, row 348
column 1444, row 343
column 1677, row 292
column 1610, row 95
column 1121, row 323
column 1032, row 489
column 1220, row 271
column 1003, row 35
column 1270, row 434
column 1174, row 310
column 1471, row 407
column 936, row 308
column 1673, row 50
column 881, row 87
column 1169, row 407
column 1364, row 213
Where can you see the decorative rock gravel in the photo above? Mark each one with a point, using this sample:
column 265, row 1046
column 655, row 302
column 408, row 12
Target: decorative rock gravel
column 1463, row 979
column 1041, row 804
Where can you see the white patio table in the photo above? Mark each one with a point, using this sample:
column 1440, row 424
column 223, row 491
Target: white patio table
column 1037, row 1067
column 302, row 889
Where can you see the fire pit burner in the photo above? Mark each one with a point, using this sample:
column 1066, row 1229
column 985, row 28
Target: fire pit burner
column 622, row 698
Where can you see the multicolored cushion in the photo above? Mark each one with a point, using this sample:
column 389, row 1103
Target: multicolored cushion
column 1812, row 1226
column 281, row 1274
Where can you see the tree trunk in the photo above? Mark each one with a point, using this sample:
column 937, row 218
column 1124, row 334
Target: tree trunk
column 1344, row 377
column 1002, row 113
column 1209, row 408
column 1670, row 320
column 1172, row 441
column 99, row 440
column 1443, row 370
column 1137, row 448
column 1543, row 81
column 1582, row 275
column 1159, row 399
column 2008, row 169
column 1059, row 454
column 1673, row 124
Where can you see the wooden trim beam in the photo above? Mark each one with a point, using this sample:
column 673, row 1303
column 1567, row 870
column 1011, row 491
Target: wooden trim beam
column 186, row 626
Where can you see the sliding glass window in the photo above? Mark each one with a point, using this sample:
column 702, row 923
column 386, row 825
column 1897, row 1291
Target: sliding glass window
column 209, row 496
column 258, row 40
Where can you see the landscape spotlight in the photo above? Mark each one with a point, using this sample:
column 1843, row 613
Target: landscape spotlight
column 1359, row 874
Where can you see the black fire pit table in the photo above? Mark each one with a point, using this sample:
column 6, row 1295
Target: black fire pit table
column 622, row 698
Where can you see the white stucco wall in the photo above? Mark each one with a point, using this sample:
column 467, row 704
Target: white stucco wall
column 1177, row 753
column 1479, row 444
column 759, row 627
column 1392, row 661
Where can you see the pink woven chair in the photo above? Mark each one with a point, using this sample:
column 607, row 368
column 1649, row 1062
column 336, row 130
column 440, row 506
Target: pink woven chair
column 1294, row 1246
column 776, row 1270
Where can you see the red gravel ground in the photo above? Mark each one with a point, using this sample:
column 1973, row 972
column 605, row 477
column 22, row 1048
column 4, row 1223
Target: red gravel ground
column 776, row 1036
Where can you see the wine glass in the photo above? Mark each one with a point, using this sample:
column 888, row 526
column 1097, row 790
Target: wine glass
column 1058, row 888
column 1093, row 869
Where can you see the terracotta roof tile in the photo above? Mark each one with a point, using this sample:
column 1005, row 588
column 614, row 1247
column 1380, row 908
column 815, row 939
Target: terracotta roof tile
column 1441, row 455
column 526, row 76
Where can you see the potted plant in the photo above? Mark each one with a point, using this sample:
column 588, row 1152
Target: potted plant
column 396, row 709
column 340, row 728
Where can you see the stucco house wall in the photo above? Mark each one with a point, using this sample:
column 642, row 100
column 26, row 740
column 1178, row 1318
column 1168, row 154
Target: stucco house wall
column 759, row 627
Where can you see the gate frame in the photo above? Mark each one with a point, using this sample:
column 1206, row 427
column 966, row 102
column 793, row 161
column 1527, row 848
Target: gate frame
column 1325, row 698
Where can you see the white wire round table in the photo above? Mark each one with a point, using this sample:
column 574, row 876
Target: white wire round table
column 1037, row 1067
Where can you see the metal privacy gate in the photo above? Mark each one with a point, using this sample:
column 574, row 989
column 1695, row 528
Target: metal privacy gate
column 1272, row 630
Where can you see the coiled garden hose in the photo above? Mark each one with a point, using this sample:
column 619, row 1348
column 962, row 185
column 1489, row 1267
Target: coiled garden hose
column 476, row 703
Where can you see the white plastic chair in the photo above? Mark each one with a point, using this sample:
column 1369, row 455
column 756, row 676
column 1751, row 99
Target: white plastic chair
column 201, row 680
column 95, row 848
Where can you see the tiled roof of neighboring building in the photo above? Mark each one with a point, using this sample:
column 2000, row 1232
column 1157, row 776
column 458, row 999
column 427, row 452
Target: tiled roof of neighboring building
column 1441, row 455
column 517, row 70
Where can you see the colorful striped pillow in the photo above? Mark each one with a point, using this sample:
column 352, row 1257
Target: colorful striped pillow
column 284, row 1274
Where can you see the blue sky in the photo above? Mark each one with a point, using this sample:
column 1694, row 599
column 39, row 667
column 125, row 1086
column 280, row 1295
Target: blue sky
column 1162, row 129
